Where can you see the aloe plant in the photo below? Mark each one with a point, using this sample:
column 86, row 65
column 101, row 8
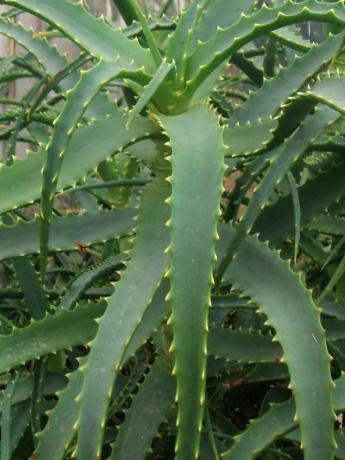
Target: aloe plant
column 172, row 244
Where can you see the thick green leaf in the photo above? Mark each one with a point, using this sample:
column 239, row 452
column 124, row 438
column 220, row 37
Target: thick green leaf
column 242, row 140
column 330, row 91
column 65, row 329
column 125, row 311
column 225, row 42
column 220, row 13
column 289, row 80
column 86, row 278
column 68, row 407
column 198, row 168
column 96, row 36
column 151, row 88
column 66, row 232
column 254, row 271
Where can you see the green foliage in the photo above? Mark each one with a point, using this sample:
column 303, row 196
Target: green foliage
column 172, row 245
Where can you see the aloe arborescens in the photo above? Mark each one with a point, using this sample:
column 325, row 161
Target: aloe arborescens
column 211, row 288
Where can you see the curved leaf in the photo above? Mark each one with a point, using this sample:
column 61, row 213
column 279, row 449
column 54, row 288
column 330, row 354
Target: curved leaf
column 289, row 80
column 125, row 310
column 329, row 91
column 225, row 42
column 151, row 88
column 86, row 278
column 242, row 140
column 220, row 13
column 96, row 37
column 68, row 406
column 291, row 311
column 65, row 329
